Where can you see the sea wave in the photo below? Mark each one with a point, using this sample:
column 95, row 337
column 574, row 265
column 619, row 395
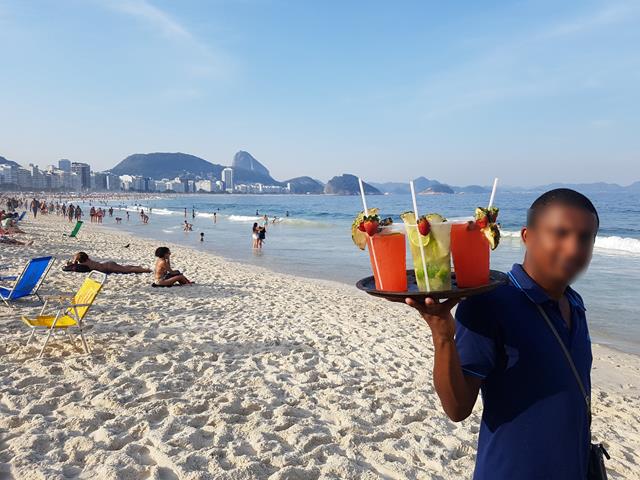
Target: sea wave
column 609, row 244
column 301, row 222
column 619, row 244
column 163, row 211
column 243, row 218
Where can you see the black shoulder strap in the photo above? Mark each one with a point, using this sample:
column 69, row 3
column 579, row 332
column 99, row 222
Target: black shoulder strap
column 567, row 355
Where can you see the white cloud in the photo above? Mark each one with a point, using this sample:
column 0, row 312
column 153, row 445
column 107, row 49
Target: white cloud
column 209, row 61
column 610, row 15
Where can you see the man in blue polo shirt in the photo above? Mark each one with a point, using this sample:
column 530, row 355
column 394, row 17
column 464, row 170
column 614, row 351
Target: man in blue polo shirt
column 534, row 421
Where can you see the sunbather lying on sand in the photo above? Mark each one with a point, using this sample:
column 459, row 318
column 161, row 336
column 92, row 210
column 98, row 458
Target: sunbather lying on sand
column 81, row 258
column 165, row 276
column 13, row 241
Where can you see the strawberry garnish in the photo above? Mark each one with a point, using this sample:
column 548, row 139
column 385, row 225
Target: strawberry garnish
column 482, row 222
column 361, row 227
column 424, row 227
column 371, row 227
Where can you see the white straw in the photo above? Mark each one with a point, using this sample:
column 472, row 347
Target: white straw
column 373, row 250
column 493, row 192
column 424, row 261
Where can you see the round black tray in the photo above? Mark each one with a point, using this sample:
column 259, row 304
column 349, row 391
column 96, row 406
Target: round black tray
column 368, row 285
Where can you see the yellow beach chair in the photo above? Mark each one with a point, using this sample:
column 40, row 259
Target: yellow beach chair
column 70, row 311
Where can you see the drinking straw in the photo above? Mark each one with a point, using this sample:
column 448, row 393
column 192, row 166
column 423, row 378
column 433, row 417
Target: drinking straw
column 373, row 250
column 424, row 261
column 493, row 192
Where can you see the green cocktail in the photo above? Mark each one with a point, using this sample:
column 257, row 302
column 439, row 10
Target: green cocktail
column 433, row 233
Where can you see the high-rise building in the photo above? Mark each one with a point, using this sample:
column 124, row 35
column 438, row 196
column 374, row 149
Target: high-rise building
column 227, row 178
column 64, row 165
column 83, row 171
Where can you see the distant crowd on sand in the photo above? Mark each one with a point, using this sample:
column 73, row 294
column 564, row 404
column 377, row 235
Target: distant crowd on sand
column 71, row 212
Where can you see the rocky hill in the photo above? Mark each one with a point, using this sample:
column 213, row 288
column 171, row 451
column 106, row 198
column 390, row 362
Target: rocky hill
column 305, row 185
column 347, row 184
column 4, row 161
column 161, row 165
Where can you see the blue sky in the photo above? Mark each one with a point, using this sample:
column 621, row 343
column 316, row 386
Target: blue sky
column 530, row 91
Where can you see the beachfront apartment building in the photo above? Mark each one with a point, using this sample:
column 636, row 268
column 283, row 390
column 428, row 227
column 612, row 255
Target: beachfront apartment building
column 64, row 165
column 83, row 170
column 227, row 178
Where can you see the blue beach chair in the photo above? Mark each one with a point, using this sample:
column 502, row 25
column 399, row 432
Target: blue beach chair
column 22, row 215
column 29, row 281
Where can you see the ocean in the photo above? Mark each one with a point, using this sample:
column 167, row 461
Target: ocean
column 315, row 241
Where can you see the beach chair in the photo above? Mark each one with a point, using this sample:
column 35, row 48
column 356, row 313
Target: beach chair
column 70, row 311
column 29, row 281
column 22, row 216
column 76, row 229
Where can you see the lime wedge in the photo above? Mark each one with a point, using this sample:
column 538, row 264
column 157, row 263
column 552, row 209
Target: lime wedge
column 358, row 237
column 409, row 219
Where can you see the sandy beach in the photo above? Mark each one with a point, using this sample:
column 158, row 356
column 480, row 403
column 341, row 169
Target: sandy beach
column 248, row 374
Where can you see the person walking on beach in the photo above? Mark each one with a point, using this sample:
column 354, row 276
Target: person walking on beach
column 215, row 217
column 35, row 204
column 535, row 420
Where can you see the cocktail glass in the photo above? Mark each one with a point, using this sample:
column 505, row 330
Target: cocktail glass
column 437, row 255
column 470, row 250
column 388, row 255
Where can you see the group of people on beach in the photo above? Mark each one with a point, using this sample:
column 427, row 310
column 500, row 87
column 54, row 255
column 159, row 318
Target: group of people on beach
column 164, row 274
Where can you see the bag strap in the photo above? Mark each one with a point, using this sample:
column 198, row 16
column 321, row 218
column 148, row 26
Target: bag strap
column 567, row 355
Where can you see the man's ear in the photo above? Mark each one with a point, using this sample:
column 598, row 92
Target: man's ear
column 523, row 234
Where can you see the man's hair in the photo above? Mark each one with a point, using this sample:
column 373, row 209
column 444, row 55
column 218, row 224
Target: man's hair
column 83, row 257
column 560, row 196
column 161, row 252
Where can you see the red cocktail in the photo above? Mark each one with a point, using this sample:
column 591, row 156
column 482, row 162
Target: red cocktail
column 470, row 250
column 388, row 255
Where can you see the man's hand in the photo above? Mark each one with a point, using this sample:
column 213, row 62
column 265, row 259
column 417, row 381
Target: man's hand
column 457, row 392
column 438, row 316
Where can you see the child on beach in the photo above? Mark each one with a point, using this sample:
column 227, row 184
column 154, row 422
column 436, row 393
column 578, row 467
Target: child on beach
column 165, row 276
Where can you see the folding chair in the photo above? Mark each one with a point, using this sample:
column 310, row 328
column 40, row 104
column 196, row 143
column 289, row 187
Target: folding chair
column 29, row 281
column 70, row 311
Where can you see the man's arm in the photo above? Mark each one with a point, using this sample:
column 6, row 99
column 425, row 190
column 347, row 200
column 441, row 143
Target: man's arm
column 458, row 392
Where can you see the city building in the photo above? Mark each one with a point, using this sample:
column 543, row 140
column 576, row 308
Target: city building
column 227, row 178
column 83, row 170
column 64, row 165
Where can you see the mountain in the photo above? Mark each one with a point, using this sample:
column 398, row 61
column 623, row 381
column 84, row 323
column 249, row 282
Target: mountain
column 4, row 161
column 392, row 187
column 246, row 169
column 347, row 184
column 471, row 189
column 586, row 188
column 166, row 165
column 246, row 161
column 305, row 185
column 438, row 188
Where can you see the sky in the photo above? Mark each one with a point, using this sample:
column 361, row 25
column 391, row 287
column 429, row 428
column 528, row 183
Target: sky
column 530, row 91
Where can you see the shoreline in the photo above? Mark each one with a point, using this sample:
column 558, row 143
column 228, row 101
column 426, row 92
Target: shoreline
column 249, row 374
column 619, row 344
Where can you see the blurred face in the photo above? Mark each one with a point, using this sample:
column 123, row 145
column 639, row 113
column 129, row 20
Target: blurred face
column 560, row 243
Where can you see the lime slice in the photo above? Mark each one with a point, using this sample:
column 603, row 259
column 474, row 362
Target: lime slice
column 409, row 219
column 358, row 237
column 435, row 218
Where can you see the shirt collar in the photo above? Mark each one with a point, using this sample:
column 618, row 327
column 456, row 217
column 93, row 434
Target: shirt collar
column 532, row 290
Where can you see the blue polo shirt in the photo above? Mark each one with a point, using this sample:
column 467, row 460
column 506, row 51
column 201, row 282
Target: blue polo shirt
column 534, row 420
